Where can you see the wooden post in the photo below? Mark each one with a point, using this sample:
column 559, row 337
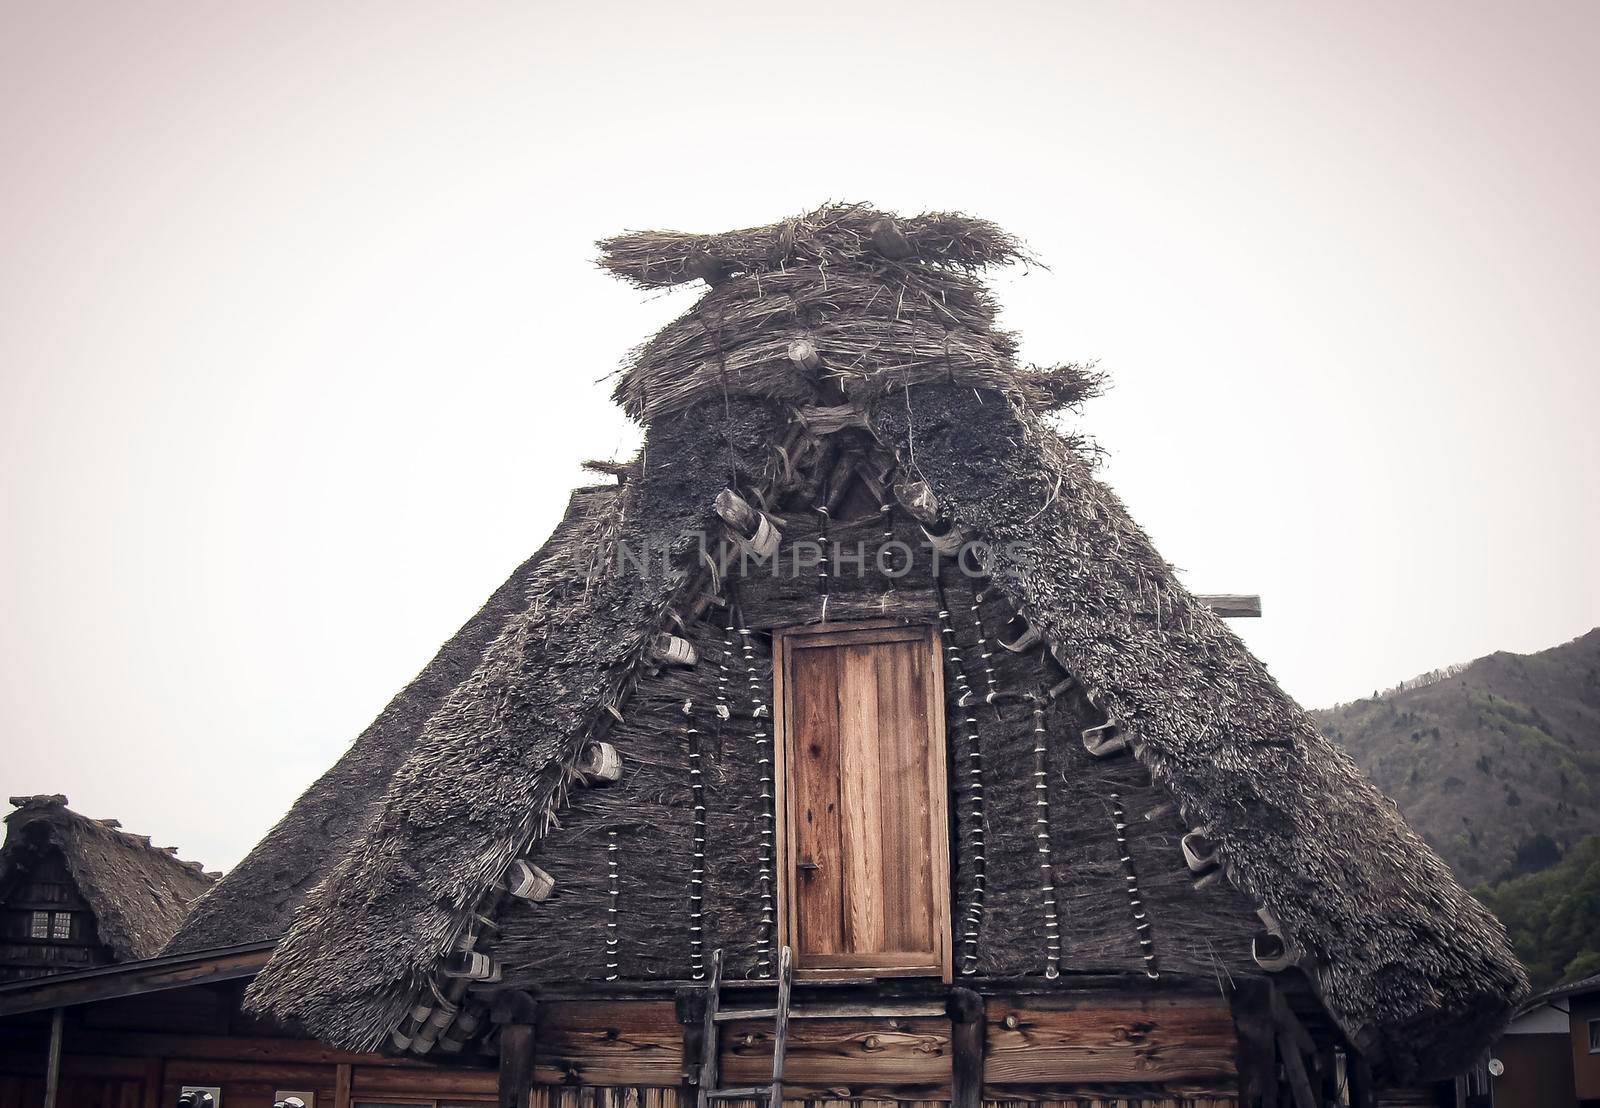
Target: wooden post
column 341, row 1085
column 153, row 1077
column 516, row 1014
column 1359, row 1072
column 52, row 1073
column 516, row 1065
column 968, row 1034
column 1258, row 1045
column 691, row 1012
column 1294, row 1067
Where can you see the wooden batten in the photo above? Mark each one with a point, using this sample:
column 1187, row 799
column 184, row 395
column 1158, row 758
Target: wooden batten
column 670, row 650
column 827, row 420
column 1232, row 605
column 600, row 764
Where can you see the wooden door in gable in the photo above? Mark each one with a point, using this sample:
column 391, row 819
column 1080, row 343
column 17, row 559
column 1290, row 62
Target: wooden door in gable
column 863, row 835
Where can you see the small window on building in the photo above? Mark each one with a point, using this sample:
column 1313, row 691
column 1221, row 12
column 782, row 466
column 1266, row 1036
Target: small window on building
column 1594, row 1036
column 61, row 925
column 39, row 928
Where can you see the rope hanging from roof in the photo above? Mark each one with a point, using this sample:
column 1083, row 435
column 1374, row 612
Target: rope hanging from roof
column 614, row 891
column 697, row 866
column 1141, row 920
column 967, row 725
column 759, row 712
column 1041, row 834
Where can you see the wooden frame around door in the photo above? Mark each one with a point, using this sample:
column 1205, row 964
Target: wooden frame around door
column 785, row 642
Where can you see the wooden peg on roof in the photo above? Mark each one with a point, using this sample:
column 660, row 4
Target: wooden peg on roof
column 803, row 353
column 890, row 241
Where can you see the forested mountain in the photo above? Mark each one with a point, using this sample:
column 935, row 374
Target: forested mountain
column 1497, row 765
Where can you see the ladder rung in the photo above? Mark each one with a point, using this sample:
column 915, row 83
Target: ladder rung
column 748, row 1092
column 725, row 1014
column 864, row 1011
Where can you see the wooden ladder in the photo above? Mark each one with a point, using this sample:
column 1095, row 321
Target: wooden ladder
column 710, row 1071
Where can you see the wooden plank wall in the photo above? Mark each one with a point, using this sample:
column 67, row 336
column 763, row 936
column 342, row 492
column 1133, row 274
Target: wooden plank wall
column 1159, row 1049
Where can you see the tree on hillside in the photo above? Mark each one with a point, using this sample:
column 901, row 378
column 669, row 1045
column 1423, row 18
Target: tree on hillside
column 1553, row 916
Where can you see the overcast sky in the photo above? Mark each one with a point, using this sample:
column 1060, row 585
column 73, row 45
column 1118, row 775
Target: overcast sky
column 301, row 337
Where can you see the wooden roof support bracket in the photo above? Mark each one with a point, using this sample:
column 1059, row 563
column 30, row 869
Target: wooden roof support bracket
column 752, row 530
column 670, row 650
column 1199, row 852
column 600, row 764
column 1104, row 740
column 527, row 881
column 1232, row 605
column 1271, row 948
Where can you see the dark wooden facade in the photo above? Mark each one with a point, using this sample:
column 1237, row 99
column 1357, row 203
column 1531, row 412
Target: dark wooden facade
column 46, row 925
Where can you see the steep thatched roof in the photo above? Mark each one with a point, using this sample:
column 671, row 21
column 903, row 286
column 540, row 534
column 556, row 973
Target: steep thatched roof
column 139, row 893
column 1406, row 962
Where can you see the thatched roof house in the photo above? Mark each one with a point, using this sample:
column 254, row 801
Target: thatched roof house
column 1133, row 803
column 77, row 891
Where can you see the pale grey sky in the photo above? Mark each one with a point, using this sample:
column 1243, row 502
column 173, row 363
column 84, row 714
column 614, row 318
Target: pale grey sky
column 300, row 334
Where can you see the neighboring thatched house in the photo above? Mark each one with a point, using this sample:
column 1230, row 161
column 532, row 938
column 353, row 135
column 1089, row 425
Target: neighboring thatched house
column 857, row 669
column 77, row 892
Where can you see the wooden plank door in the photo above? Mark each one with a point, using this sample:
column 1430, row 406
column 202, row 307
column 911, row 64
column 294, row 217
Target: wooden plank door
column 863, row 838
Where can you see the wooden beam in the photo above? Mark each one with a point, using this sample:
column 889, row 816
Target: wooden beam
column 609, row 1043
column 516, row 1065
column 1294, row 1067
column 968, row 1027
column 133, row 979
column 1154, row 1039
column 1231, row 605
column 341, row 1085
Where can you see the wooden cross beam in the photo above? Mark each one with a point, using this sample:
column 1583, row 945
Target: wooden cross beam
column 1231, row 604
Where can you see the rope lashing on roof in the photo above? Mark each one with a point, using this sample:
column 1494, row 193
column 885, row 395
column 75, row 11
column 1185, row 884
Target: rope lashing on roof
column 765, row 814
column 1041, row 834
column 1141, row 919
column 697, row 865
column 984, row 652
column 614, row 893
column 823, row 554
column 967, row 723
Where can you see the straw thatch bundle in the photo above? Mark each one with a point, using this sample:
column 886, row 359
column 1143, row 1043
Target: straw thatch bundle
column 840, row 234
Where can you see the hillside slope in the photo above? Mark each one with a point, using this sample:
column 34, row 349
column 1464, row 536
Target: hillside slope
column 1498, row 765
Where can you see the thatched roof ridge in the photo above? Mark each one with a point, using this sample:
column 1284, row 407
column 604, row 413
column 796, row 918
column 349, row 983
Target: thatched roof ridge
column 139, row 893
column 493, row 762
column 831, row 235
column 259, row 896
column 1406, row 960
